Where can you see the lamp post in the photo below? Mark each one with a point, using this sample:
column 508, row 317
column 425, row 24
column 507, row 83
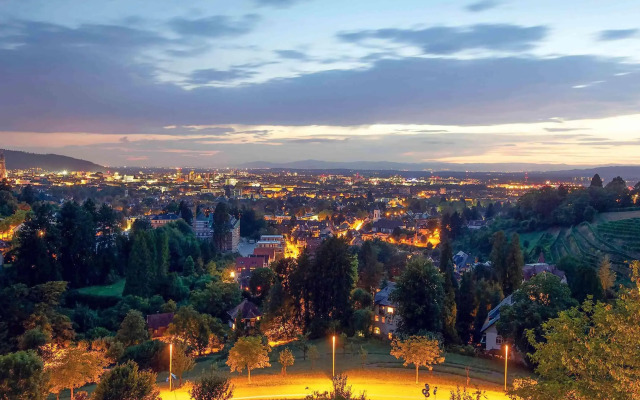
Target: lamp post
column 333, row 372
column 170, row 362
column 506, row 360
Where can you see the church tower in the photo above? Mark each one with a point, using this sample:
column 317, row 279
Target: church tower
column 3, row 167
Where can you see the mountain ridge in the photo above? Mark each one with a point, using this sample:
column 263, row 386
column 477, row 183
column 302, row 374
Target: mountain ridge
column 16, row 159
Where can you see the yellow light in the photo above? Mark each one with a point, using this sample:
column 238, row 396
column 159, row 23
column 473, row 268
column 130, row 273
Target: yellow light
column 233, row 274
column 333, row 369
column 170, row 362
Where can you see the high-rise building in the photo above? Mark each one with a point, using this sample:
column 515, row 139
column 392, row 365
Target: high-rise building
column 3, row 167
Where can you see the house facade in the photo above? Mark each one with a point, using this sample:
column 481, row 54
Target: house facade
column 385, row 318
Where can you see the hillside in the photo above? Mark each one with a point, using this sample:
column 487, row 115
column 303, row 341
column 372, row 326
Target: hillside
column 48, row 162
column 616, row 234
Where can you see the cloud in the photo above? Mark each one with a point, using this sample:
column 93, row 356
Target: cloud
column 214, row 26
column 617, row 34
column 291, row 54
column 277, row 3
column 204, row 76
column 95, row 88
column 483, row 5
column 564, row 129
column 450, row 40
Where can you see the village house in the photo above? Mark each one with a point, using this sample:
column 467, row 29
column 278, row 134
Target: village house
column 245, row 313
column 385, row 318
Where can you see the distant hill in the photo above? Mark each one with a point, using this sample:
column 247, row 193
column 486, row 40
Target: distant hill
column 48, row 162
column 556, row 170
column 403, row 166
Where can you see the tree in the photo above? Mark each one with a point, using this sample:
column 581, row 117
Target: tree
column 467, row 305
column 286, row 359
column 126, row 381
column 75, row 367
column 420, row 351
column 589, row 352
column 181, row 361
column 369, row 268
column 514, row 262
column 189, row 267
column 261, row 281
column 139, row 266
column 220, row 224
column 606, row 276
column 78, row 243
column 332, row 278
column 185, row 212
column 498, row 256
column 449, row 285
column 38, row 244
column 249, row 353
column 596, row 181
column 314, row 355
column 212, row 386
column 419, row 294
column 539, row 299
column 196, row 331
column 22, row 377
column 133, row 329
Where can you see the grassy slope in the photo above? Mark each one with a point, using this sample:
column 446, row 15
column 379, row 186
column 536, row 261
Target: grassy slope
column 114, row 289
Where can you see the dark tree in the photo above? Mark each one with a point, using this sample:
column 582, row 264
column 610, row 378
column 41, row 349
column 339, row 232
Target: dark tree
column 419, row 294
column 139, row 267
column 514, row 262
column 369, row 268
column 596, row 181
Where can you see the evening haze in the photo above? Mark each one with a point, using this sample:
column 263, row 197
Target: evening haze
column 224, row 83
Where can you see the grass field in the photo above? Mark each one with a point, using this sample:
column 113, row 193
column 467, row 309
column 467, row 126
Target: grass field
column 114, row 289
column 382, row 377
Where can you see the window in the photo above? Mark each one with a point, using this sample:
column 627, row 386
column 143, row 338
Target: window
column 377, row 318
column 376, row 330
column 390, row 335
column 498, row 339
column 390, row 310
column 383, row 320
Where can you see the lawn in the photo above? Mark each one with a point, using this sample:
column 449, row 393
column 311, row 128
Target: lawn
column 383, row 376
column 113, row 290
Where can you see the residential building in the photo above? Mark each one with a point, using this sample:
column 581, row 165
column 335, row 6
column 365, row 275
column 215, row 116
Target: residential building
column 385, row 318
column 159, row 220
column 245, row 313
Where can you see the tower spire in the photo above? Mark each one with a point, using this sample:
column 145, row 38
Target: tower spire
column 3, row 166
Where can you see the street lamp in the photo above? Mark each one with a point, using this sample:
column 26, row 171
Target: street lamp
column 170, row 362
column 333, row 374
column 506, row 360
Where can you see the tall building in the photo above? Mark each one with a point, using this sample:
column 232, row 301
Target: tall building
column 3, row 167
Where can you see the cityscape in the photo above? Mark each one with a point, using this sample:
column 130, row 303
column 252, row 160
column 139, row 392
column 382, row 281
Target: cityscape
column 319, row 200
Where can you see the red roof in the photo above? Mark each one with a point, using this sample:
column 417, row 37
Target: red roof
column 265, row 251
column 250, row 262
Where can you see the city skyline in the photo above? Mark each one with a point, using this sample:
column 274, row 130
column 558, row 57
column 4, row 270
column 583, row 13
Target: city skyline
column 220, row 84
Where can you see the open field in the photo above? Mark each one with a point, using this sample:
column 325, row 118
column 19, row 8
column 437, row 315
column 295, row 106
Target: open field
column 114, row 289
column 383, row 376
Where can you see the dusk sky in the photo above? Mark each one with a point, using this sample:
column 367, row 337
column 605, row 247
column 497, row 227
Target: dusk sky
column 220, row 83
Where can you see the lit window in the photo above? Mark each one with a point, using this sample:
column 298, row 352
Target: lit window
column 376, row 330
column 383, row 320
column 390, row 310
column 390, row 335
column 377, row 318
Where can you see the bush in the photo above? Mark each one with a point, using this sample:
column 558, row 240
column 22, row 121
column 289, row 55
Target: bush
column 151, row 354
column 212, row 386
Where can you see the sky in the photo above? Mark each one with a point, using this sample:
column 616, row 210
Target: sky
column 174, row 83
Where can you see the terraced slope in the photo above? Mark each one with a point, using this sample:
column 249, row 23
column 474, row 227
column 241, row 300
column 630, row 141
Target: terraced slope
column 619, row 239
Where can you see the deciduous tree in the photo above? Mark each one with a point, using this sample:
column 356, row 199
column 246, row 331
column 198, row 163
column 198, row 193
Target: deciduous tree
column 421, row 351
column 126, row 381
column 286, row 359
column 250, row 353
